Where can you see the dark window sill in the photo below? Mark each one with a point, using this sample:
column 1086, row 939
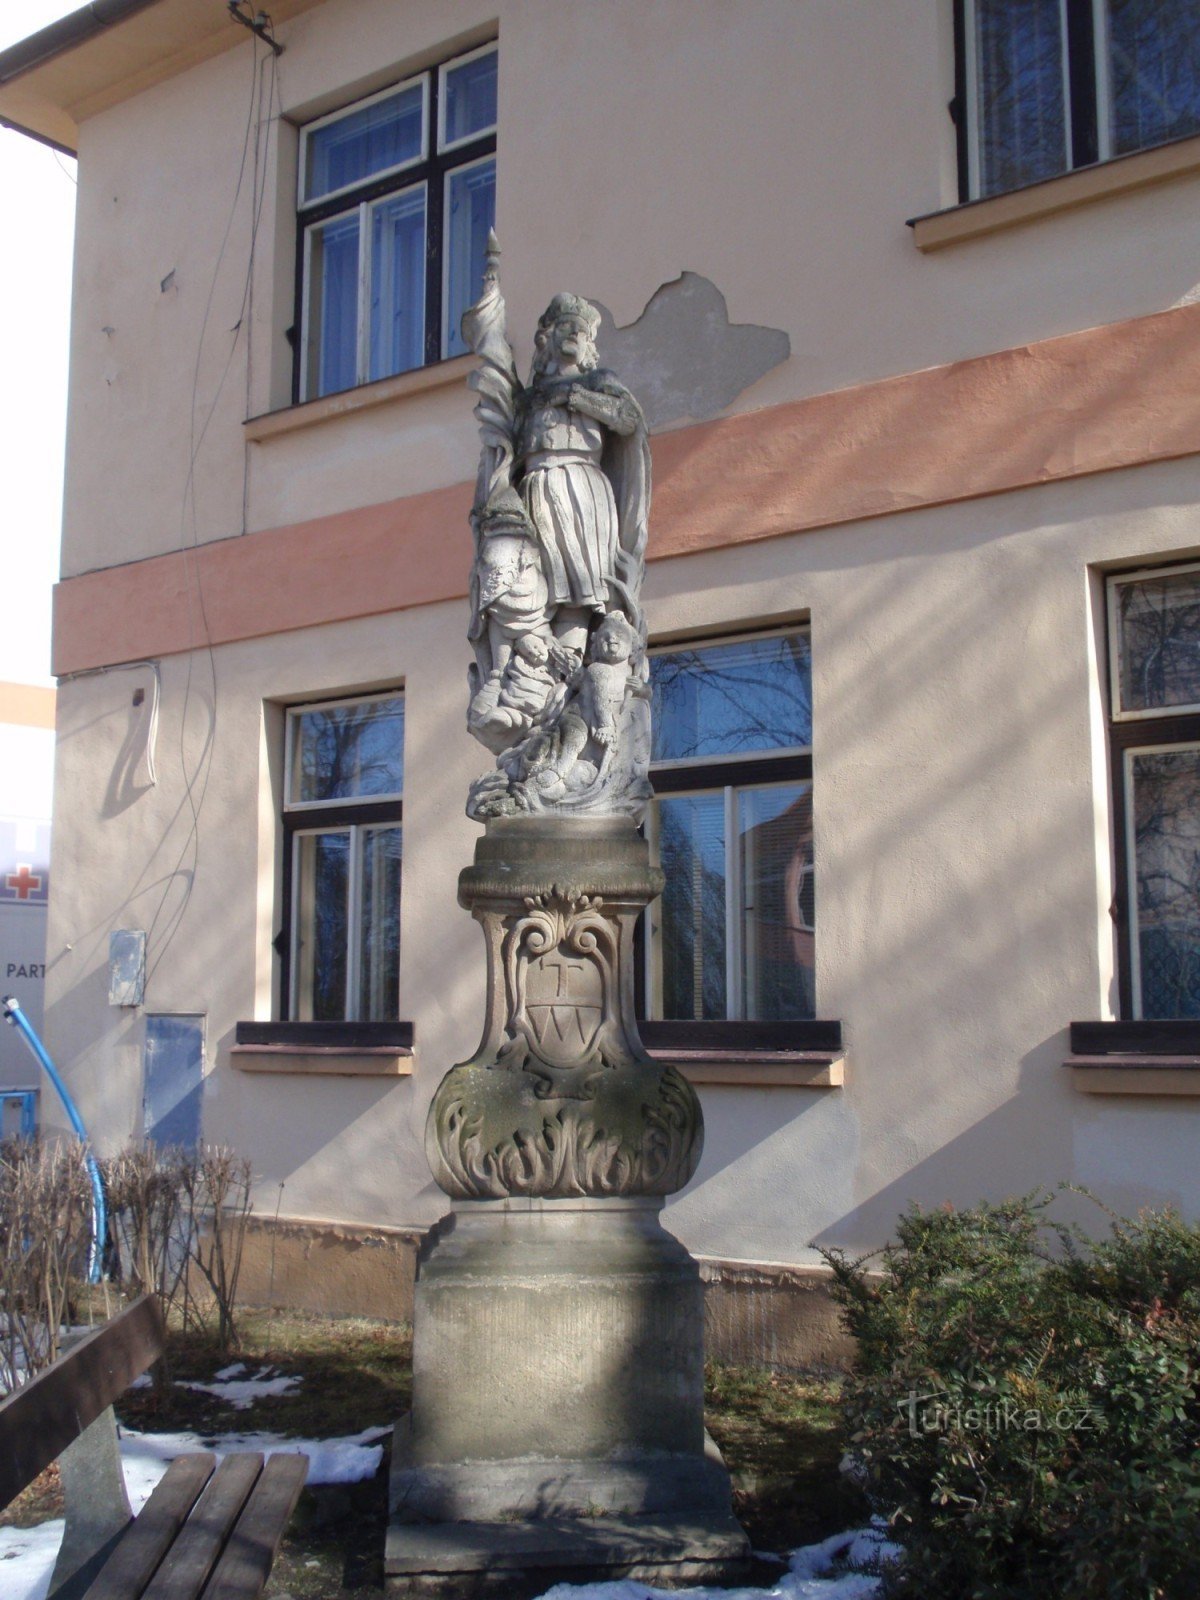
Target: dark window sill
column 1143, row 1037
column 742, row 1036
column 1135, row 1057
column 332, row 1035
column 331, row 1049
column 786, row 1054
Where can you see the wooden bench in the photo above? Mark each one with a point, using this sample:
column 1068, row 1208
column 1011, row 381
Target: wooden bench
column 208, row 1531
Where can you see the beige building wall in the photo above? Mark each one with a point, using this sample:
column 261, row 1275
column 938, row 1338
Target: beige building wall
column 962, row 829
column 961, row 852
column 776, row 148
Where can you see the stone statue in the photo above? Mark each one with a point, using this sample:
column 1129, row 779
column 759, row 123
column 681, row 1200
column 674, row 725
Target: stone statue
column 560, row 513
column 561, row 1098
column 558, row 1363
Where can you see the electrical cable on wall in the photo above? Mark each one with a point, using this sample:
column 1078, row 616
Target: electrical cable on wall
column 197, row 779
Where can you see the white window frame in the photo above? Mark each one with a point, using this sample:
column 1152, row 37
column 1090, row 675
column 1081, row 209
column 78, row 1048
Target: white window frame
column 421, row 80
column 1113, row 582
column 447, row 179
column 447, row 67
column 294, row 714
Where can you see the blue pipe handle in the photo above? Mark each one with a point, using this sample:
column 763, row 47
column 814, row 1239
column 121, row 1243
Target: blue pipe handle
column 14, row 1014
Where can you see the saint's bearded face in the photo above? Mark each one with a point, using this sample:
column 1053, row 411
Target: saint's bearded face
column 566, row 337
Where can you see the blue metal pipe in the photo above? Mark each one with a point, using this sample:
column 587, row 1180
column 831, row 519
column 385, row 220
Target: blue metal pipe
column 14, row 1014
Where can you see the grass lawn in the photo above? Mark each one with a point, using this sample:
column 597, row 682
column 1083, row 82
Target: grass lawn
column 779, row 1435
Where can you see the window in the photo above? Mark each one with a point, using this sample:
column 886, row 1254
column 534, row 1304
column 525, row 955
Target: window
column 732, row 936
column 397, row 195
column 1154, row 654
column 342, row 839
column 1048, row 85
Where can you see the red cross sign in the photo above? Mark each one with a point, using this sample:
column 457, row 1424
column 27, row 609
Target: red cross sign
column 24, row 881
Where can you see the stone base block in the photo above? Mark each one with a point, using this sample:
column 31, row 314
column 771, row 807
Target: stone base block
column 564, row 1328
column 641, row 1484
column 557, row 1428
column 479, row 1560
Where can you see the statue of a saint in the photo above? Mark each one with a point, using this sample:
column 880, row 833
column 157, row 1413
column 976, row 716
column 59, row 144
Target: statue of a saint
column 584, row 472
column 560, row 520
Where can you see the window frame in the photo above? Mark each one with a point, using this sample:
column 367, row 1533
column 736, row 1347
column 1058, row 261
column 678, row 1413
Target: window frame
column 432, row 169
column 725, row 774
column 306, row 818
column 1137, row 732
column 1087, row 97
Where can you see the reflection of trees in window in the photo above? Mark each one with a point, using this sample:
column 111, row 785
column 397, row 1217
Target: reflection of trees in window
column 1166, row 812
column 1155, row 742
column 1055, row 84
column 733, row 819
column 351, row 750
column 380, row 914
column 1160, row 642
column 733, row 698
column 1021, row 110
column 778, row 905
column 1154, row 55
column 342, row 827
column 692, row 852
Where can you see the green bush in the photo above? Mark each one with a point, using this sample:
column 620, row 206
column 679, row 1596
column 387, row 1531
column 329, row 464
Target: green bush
column 1026, row 1403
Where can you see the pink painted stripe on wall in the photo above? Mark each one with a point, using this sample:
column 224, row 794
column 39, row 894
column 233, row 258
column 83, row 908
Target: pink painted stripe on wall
column 1081, row 403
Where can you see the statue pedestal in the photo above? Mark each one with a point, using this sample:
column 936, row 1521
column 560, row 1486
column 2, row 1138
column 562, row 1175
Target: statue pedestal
column 557, row 1425
column 557, row 1429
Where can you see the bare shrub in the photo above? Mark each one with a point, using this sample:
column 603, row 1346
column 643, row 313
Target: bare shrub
column 45, row 1235
column 219, row 1193
column 150, row 1224
column 179, row 1225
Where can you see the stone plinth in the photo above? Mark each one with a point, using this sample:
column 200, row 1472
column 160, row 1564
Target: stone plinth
column 557, row 1425
column 561, row 1098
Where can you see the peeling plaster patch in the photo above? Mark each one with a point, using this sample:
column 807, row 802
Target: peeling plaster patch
column 683, row 357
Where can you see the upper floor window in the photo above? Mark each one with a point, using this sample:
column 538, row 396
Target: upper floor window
column 732, row 936
column 1154, row 654
column 1048, row 85
column 343, row 807
column 397, row 195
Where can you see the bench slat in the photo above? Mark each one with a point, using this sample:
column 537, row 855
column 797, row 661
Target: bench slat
column 41, row 1418
column 246, row 1564
column 144, row 1545
column 195, row 1552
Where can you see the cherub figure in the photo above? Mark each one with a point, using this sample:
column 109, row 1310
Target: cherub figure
column 528, row 682
column 591, row 718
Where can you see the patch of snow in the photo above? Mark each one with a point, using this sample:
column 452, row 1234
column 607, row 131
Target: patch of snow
column 27, row 1558
column 241, row 1393
column 234, row 1371
column 817, row 1572
column 346, row 1460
